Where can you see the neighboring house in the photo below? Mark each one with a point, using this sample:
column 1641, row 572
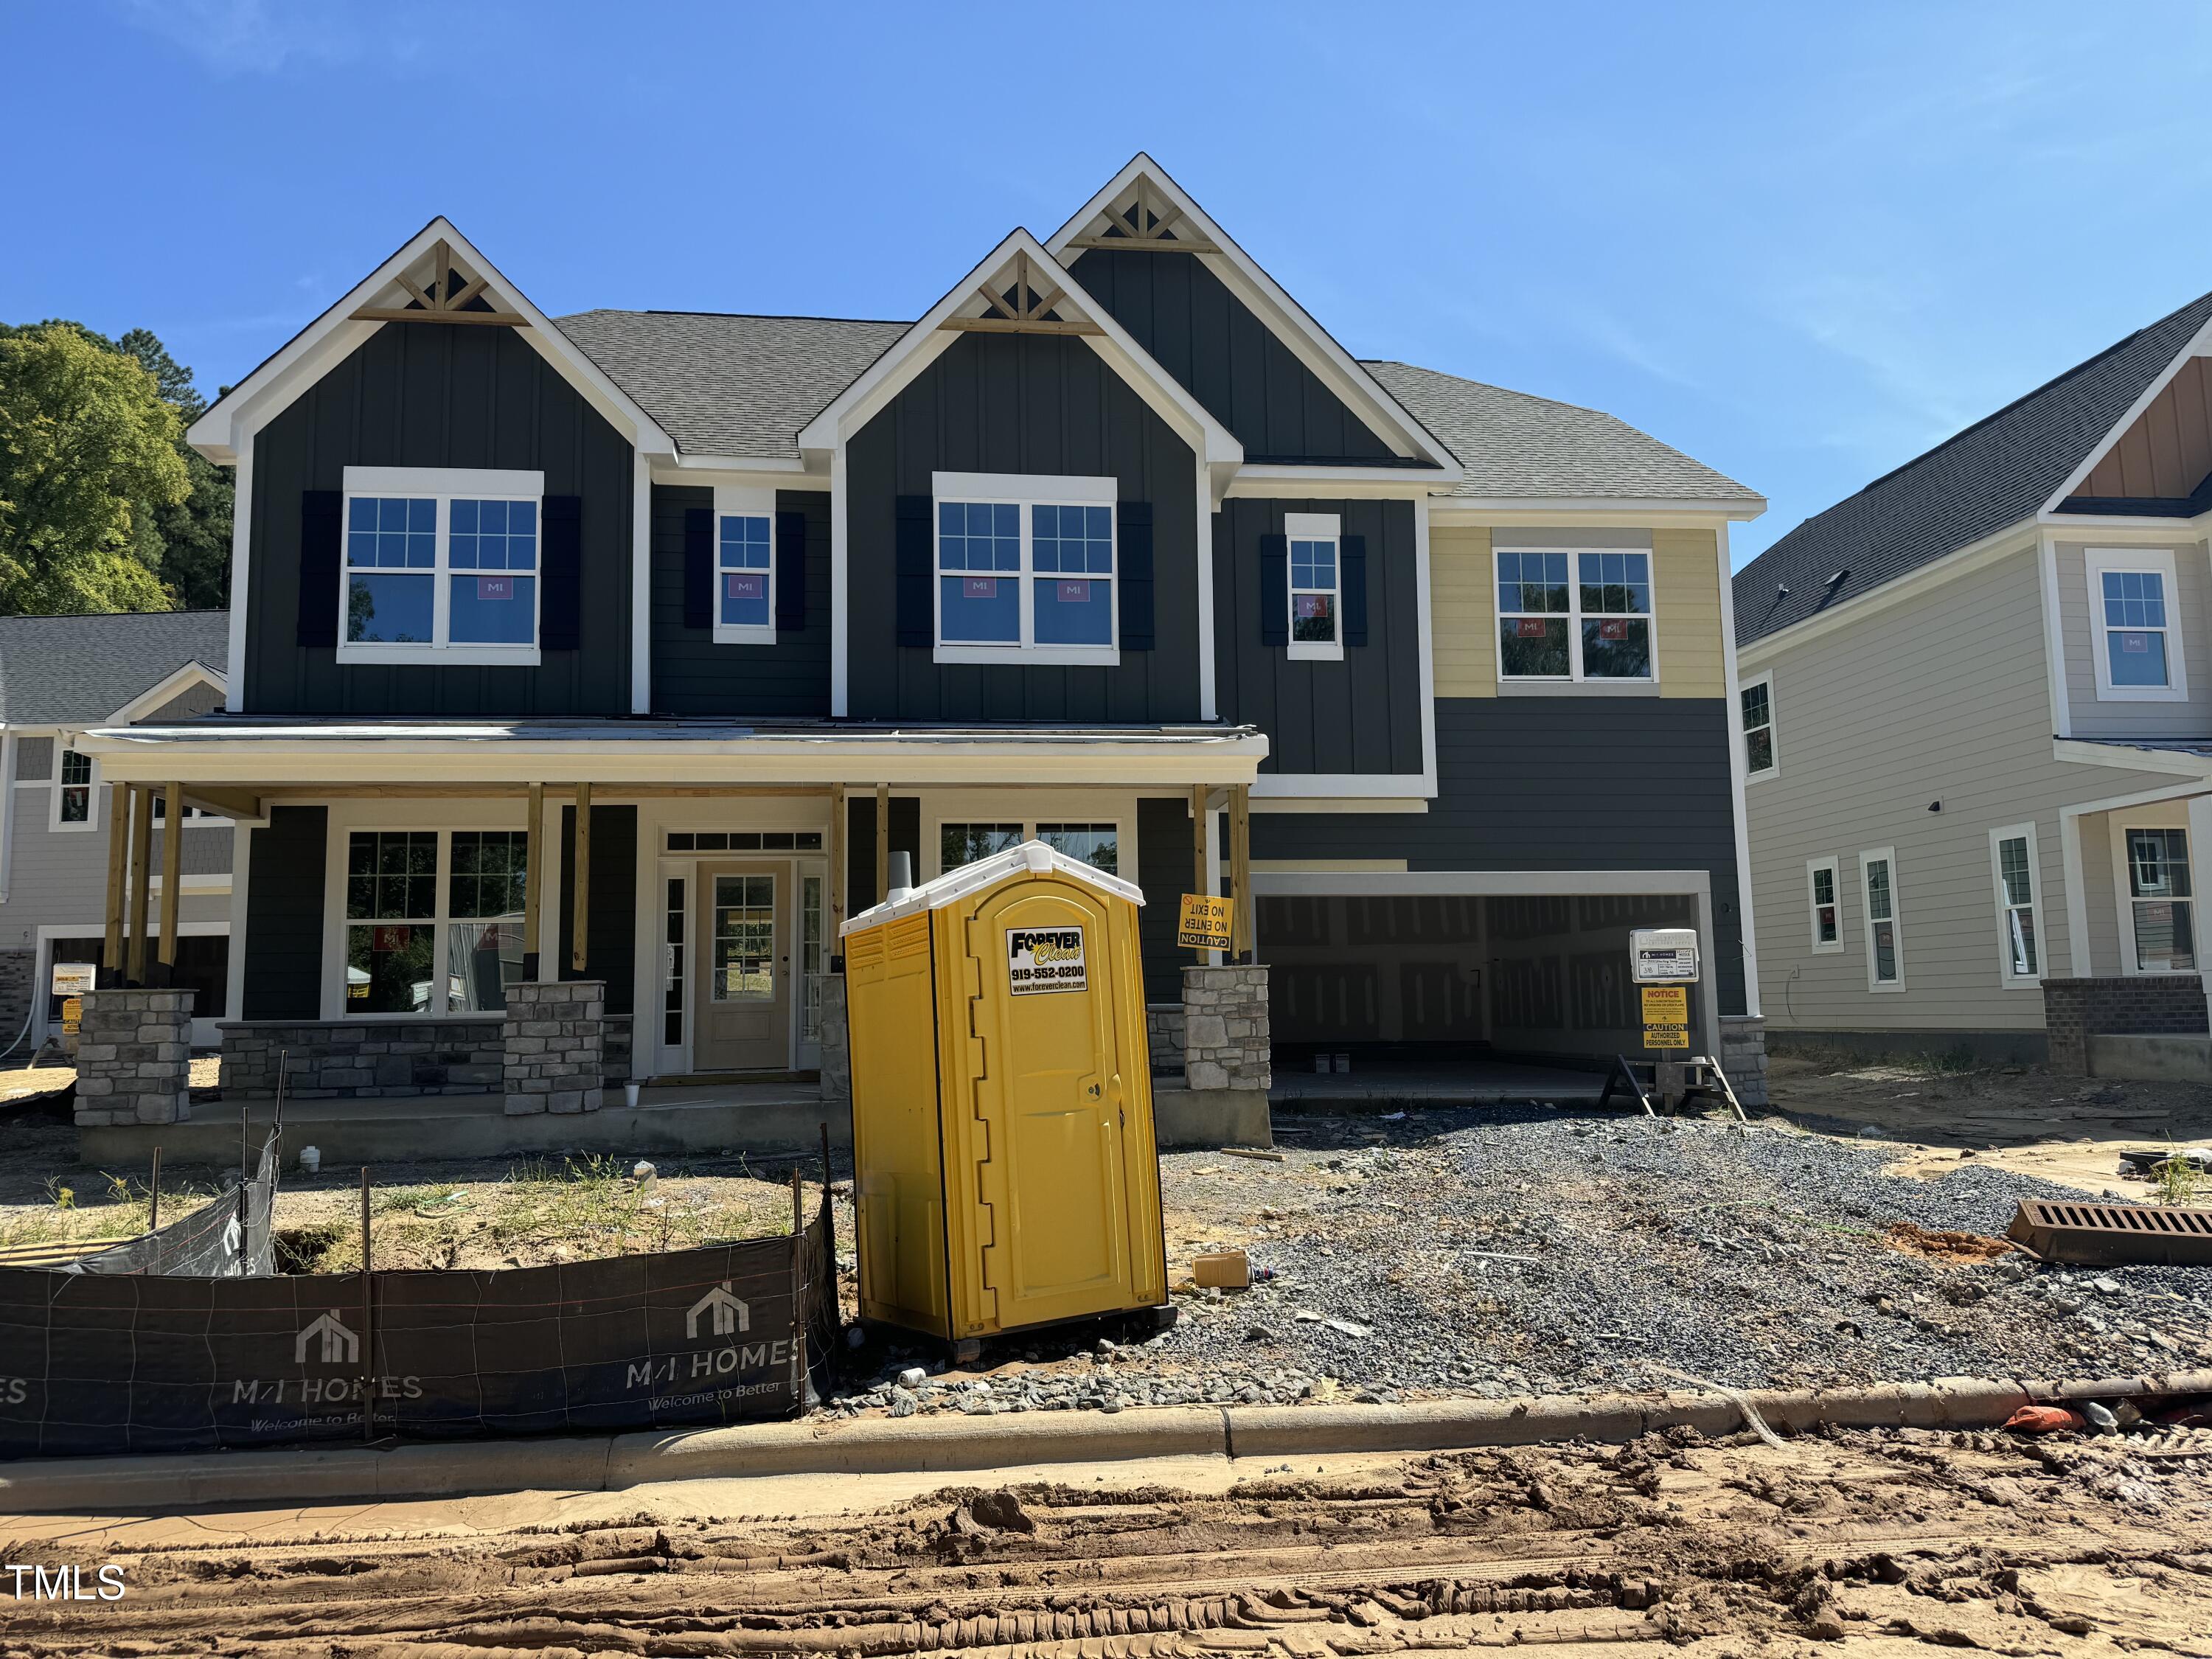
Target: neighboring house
column 1115, row 526
column 1976, row 702
column 60, row 676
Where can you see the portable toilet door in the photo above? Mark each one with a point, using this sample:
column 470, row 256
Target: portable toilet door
column 1066, row 1203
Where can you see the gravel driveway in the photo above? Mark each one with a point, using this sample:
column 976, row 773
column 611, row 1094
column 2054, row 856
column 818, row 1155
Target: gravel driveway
column 1526, row 1250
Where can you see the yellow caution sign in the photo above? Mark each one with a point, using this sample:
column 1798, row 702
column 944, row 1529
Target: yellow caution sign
column 1666, row 1015
column 1205, row 922
column 72, row 1015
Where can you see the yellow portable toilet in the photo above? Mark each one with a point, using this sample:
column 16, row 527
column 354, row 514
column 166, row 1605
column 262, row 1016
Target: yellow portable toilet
column 1004, row 1170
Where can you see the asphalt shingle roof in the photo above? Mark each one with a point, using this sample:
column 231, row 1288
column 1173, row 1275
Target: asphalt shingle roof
column 723, row 384
column 1996, row 473
column 75, row 670
column 1514, row 445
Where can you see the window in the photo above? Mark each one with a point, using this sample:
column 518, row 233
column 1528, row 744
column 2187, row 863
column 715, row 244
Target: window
column 2159, row 896
column 672, row 1007
column 963, row 843
column 1594, row 628
column 744, row 565
column 1757, row 698
column 1316, row 632
column 1827, row 911
column 434, row 920
column 745, row 840
column 77, row 793
column 2012, row 859
column 1884, row 964
column 1025, row 568
column 441, row 566
column 1098, row 845
column 2138, row 649
column 813, row 958
column 743, row 966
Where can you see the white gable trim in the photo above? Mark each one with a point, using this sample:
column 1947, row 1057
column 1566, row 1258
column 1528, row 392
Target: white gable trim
column 1290, row 321
column 2200, row 345
column 194, row 672
column 223, row 430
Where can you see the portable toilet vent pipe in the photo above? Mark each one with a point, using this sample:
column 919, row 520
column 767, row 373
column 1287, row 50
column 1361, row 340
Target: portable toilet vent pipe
column 1005, row 1171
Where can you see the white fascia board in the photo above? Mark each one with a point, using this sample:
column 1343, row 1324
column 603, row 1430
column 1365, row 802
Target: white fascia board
column 1274, row 482
column 1627, row 509
column 219, row 432
column 2173, row 763
column 1486, row 883
column 921, row 345
column 1354, row 785
column 761, row 471
column 2200, row 344
column 2128, row 527
column 192, row 674
column 1310, row 342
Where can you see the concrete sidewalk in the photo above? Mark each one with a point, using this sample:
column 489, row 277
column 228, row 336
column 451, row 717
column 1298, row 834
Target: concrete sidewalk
column 316, row 1474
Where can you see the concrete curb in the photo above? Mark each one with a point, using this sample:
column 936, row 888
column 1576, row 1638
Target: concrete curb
column 311, row 1475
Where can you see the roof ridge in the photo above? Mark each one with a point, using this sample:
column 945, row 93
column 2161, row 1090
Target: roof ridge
column 748, row 316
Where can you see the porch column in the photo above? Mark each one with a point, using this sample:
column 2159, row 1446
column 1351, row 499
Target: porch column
column 141, row 877
column 884, row 842
column 579, row 919
column 119, row 833
column 173, row 875
column 835, row 944
column 533, row 880
column 2199, row 837
column 1243, row 918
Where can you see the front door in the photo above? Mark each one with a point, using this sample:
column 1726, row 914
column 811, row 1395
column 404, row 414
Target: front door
column 744, row 1017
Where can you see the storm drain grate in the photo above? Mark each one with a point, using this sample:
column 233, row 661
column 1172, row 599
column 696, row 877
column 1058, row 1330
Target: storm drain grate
column 2113, row 1235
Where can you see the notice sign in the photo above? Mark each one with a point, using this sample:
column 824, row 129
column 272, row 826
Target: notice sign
column 1040, row 959
column 1658, row 955
column 73, row 979
column 1666, row 1015
column 1204, row 924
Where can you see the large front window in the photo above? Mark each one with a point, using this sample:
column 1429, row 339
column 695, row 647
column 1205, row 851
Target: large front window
column 2162, row 900
column 439, row 566
column 1024, row 570
column 1098, row 845
column 1574, row 616
column 434, row 920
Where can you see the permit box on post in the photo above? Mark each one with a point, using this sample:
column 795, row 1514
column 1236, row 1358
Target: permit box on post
column 1005, row 1169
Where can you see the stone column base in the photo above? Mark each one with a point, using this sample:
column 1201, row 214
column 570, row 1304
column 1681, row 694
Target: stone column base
column 1226, row 1038
column 836, row 1052
column 554, row 1039
column 1743, row 1057
column 134, row 1058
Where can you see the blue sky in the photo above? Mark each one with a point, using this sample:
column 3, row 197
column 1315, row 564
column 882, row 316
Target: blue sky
column 1800, row 243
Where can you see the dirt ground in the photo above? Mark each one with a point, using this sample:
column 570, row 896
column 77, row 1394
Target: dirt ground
column 1859, row 1544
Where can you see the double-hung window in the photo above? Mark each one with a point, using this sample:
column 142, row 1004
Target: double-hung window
column 1885, row 957
column 1756, row 698
column 433, row 919
column 2012, row 863
column 1098, row 845
column 2134, row 637
column 1575, row 615
column 1314, row 542
column 745, row 566
column 2161, row 902
column 1827, row 909
column 77, row 793
column 1024, row 570
column 441, row 565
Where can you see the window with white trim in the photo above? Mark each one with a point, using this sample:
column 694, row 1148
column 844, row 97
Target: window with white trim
column 745, row 566
column 1097, row 844
column 2161, row 902
column 2012, row 863
column 1024, row 570
column 433, row 919
column 1824, row 905
column 1575, row 615
column 441, row 564
column 1317, row 584
column 1756, row 701
column 2134, row 636
column 76, row 793
column 1884, row 956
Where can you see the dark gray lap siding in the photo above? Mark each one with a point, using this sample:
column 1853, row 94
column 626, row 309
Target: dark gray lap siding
column 283, row 943
column 1558, row 783
column 692, row 674
column 1020, row 404
column 427, row 394
column 1362, row 714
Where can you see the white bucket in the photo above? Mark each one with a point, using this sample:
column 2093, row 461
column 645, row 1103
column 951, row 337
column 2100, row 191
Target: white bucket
column 630, row 1096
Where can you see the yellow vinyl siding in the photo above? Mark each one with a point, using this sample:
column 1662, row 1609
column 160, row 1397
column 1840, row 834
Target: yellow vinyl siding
column 1686, row 579
column 1466, row 613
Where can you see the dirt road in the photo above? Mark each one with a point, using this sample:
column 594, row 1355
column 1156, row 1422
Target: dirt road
column 1861, row 1544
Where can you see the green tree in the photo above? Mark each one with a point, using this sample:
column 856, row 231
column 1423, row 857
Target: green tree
column 194, row 533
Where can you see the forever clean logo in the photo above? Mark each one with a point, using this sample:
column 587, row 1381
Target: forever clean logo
column 1045, row 959
column 340, row 1347
column 730, row 1314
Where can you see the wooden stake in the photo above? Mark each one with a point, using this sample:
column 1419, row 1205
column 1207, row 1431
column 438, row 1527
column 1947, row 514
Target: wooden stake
column 579, row 920
column 154, row 1200
column 172, row 873
column 367, row 1329
column 798, row 1295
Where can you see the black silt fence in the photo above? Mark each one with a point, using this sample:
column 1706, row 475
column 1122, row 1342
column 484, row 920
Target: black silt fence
column 228, row 1238
column 94, row 1362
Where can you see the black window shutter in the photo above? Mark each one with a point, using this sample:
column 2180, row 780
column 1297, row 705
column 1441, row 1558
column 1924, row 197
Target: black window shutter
column 321, row 530
column 698, row 566
column 560, row 609
column 1133, row 530
column 1352, row 551
column 1274, row 590
column 790, row 572
column 913, row 549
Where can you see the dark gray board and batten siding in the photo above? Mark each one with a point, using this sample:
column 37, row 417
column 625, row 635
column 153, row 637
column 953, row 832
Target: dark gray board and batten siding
column 1225, row 357
column 1362, row 714
column 692, row 675
column 283, row 943
column 430, row 394
column 1021, row 404
column 1559, row 783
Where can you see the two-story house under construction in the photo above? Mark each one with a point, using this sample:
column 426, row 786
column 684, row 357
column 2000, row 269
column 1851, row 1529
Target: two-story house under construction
column 628, row 645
